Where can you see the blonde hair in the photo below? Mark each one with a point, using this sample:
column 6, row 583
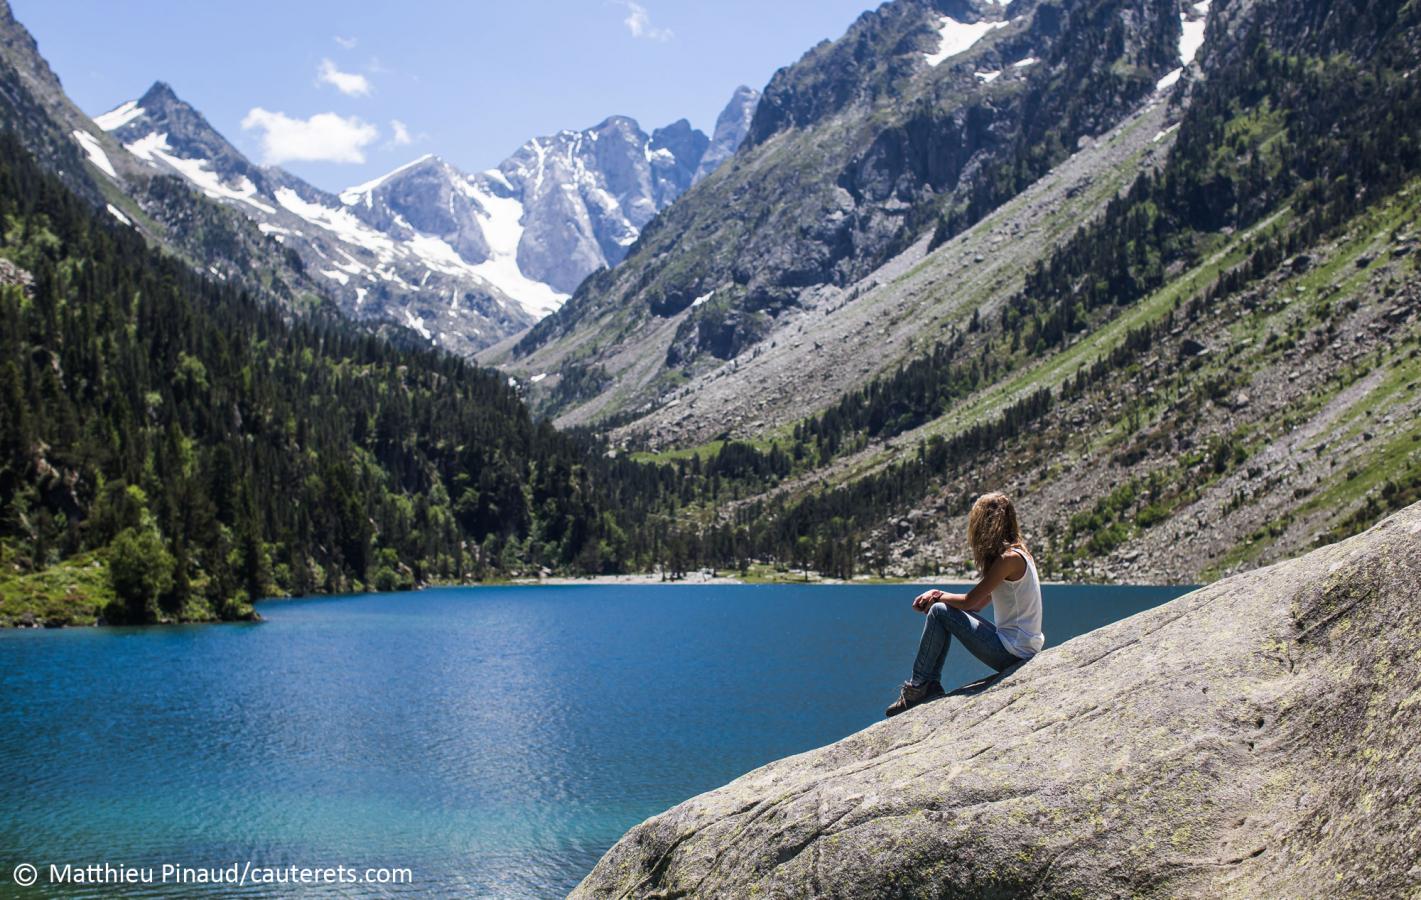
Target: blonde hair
column 992, row 529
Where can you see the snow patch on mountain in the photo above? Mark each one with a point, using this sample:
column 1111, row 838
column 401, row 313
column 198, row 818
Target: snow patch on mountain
column 1191, row 37
column 154, row 148
column 958, row 37
column 496, row 176
column 503, row 231
column 95, row 152
column 417, row 323
column 338, row 221
column 119, row 116
column 1164, row 133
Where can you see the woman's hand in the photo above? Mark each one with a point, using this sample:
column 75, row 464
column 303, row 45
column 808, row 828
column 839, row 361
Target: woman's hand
column 924, row 601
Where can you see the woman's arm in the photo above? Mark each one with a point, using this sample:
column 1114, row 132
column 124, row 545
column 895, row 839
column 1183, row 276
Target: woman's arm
column 1009, row 565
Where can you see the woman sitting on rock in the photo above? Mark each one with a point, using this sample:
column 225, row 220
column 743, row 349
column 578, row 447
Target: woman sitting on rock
column 1009, row 583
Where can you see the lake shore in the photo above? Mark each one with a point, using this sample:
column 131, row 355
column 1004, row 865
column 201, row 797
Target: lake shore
column 775, row 577
column 74, row 595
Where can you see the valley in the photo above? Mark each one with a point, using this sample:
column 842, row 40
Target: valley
column 1192, row 430
column 461, row 470
column 1100, row 255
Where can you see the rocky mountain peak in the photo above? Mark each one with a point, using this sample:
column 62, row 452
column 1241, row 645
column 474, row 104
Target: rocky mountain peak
column 880, row 48
column 587, row 194
column 686, row 147
column 160, row 95
column 33, row 105
column 20, row 50
column 731, row 126
column 680, row 138
column 161, row 127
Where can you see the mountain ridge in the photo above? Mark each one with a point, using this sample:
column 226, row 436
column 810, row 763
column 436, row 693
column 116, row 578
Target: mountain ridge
column 1120, row 346
column 100, row 170
column 854, row 153
column 463, row 260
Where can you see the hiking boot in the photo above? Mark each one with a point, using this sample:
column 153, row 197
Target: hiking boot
column 910, row 695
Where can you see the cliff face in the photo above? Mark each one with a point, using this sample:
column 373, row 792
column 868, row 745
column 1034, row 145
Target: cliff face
column 1253, row 738
column 853, row 153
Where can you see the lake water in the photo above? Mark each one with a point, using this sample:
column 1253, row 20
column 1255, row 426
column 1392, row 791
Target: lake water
column 494, row 741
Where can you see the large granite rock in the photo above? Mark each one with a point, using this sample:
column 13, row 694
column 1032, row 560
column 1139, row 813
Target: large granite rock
column 1256, row 738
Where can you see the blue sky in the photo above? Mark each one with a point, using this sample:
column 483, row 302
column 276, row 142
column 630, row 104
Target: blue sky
column 320, row 84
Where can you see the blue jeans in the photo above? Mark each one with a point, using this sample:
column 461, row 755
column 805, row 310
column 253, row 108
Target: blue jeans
column 976, row 634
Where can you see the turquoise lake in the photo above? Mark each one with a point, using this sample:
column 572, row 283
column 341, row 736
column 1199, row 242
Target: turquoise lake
column 494, row 741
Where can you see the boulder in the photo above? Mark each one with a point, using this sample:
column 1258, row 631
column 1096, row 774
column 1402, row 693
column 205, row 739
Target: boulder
column 1255, row 738
column 1191, row 347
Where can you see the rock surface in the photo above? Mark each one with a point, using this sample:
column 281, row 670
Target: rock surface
column 1253, row 738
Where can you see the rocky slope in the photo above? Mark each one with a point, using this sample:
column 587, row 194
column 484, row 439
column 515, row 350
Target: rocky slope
column 1253, row 738
column 1276, row 417
column 922, row 118
column 837, row 338
column 1258, row 396
column 1227, row 363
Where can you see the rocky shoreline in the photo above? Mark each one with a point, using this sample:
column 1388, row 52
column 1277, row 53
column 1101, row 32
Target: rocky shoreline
column 29, row 619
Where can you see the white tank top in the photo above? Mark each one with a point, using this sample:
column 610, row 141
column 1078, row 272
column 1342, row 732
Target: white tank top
column 1016, row 609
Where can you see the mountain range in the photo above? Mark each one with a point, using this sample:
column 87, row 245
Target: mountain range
column 918, row 122
column 1149, row 266
column 464, row 260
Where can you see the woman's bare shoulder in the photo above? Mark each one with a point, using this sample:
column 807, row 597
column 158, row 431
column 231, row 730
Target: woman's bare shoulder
column 1013, row 560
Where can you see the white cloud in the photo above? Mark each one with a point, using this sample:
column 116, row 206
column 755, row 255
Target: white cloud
column 402, row 133
column 351, row 84
column 347, row 42
column 325, row 137
column 638, row 22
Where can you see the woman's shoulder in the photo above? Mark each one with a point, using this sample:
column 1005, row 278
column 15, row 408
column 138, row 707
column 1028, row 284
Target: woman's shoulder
column 1016, row 559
